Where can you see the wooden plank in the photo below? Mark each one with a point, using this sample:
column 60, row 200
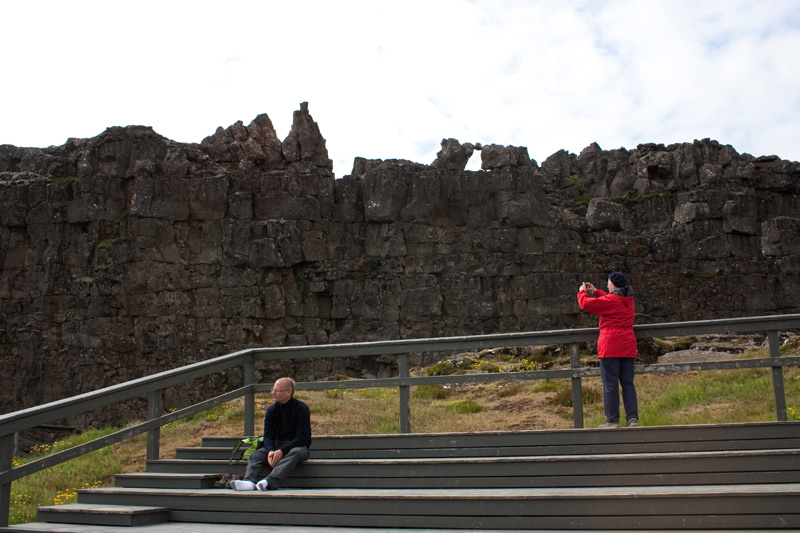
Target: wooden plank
column 208, row 453
column 759, row 489
column 701, row 433
column 100, row 514
column 544, row 481
column 789, row 459
column 757, row 522
column 500, row 508
column 656, row 462
column 604, row 480
column 377, row 478
column 168, row 480
column 732, row 468
column 203, row 496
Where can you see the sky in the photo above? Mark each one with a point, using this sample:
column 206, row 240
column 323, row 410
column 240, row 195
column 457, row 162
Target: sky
column 390, row 80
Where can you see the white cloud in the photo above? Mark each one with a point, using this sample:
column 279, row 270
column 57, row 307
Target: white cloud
column 390, row 80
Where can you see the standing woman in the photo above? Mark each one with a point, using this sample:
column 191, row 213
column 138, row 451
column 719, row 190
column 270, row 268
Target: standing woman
column 616, row 346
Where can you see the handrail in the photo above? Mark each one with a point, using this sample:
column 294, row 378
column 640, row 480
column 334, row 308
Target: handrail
column 154, row 385
column 41, row 414
column 34, row 416
column 118, row 436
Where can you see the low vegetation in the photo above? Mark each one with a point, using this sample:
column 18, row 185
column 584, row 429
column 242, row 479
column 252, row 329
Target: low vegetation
column 687, row 398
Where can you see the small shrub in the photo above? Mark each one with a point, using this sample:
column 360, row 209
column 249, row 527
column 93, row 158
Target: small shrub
column 581, row 201
column 547, row 386
column 442, row 368
column 563, row 396
column 591, row 395
column 467, row 362
column 790, row 345
column 578, row 183
column 63, row 182
column 460, row 406
column 505, row 357
column 431, row 392
column 369, row 262
column 378, row 394
column 486, row 366
column 504, row 390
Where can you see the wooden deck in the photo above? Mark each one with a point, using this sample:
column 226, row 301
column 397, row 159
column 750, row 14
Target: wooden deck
column 720, row 477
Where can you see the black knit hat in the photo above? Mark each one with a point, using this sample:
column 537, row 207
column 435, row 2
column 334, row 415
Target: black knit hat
column 618, row 280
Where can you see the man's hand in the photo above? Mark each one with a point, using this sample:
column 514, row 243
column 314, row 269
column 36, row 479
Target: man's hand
column 274, row 457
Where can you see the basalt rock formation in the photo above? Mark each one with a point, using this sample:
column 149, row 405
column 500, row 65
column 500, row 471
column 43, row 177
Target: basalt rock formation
column 128, row 254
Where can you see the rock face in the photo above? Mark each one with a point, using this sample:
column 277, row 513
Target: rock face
column 128, row 254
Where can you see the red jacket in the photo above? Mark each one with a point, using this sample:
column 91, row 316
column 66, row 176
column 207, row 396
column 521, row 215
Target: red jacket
column 616, row 322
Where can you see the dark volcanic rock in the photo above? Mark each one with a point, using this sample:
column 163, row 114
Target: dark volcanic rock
column 253, row 147
column 494, row 156
column 453, row 155
column 305, row 142
column 128, row 254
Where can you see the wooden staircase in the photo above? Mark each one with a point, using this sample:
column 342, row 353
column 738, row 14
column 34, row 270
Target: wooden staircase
column 720, row 477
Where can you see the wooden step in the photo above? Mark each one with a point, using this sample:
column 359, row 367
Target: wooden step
column 702, row 468
column 164, row 480
column 224, row 453
column 104, row 514
column 167, row 480
column 714, row 506
column 728, row 437
column 720, row 477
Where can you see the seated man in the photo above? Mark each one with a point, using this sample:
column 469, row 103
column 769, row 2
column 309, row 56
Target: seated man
column 287, row 438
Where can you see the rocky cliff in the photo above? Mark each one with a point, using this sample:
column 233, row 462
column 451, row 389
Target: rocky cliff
column 128, row 253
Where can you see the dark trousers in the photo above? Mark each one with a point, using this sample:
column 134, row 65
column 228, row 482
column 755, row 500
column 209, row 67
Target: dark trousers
column 616, row 371
column 258, row 469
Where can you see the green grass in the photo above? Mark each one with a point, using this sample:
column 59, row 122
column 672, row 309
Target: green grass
column 714, row 397
column 590, row 395
column 547, row 385
column 442, row 368
column 431, row 392
column 59, row 484
column 460, row 406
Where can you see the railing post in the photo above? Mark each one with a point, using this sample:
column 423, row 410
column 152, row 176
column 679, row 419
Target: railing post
column 250, row 397
column 403, row 371
column 577, row 392
column 155, row 408
column 8, row 446
column 777, row 377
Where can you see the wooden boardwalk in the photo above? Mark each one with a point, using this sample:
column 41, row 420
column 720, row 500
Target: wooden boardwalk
column 716, row 477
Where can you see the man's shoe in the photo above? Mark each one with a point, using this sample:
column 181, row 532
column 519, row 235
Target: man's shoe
column 262, row 485
column 632, row 423
column 243, row 484
column 224, row 482
column 609, row 425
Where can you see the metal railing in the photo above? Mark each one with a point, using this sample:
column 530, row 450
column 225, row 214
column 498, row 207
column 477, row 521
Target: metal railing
column 153, row 386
